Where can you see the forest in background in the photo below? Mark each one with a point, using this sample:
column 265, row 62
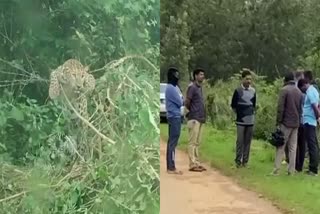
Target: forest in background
column 268, row 37
column 51, row 159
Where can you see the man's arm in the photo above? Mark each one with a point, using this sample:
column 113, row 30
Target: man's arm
column 254, row 101
column 316, row 110
column 281, row 106
column 174, row 97
column 314, row 100
column 301, row 107
column 189, row 97
column 234, row 101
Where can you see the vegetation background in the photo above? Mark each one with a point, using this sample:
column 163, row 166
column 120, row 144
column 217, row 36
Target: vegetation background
column 48, row 163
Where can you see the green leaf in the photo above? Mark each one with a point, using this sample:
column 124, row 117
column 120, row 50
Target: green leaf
column 153, row 122
column 3, row 121
column 144, row 116
column 17, row 114
column 3, row 146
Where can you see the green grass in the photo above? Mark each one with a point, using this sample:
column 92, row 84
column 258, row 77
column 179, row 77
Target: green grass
column 296, row 194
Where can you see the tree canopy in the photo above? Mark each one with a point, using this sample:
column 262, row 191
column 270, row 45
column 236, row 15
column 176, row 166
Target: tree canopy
column 269, row 37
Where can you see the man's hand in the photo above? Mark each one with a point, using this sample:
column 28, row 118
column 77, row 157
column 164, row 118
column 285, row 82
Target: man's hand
column 318, row 120
column 186, row 111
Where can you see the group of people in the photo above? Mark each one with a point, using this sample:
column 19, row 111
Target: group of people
column 298, row 115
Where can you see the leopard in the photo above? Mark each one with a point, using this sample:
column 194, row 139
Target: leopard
column 73, row 77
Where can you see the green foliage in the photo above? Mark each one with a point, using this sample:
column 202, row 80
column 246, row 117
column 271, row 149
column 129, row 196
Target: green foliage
column 28, row 128
column 88, row 174
column 52, row 162
column 175, row 44
column 269, row 37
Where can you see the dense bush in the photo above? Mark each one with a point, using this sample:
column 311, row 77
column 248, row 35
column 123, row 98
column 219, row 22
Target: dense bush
column 28, row 129
column 61, row 166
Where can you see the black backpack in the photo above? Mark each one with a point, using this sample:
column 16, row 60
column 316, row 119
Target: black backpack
column 277, row 138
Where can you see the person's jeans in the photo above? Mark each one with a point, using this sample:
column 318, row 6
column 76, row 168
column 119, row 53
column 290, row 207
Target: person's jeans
column 301, row 150
column 174, row 134
column 310, row 136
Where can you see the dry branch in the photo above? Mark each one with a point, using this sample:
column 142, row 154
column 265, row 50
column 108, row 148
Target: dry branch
column 86, row 121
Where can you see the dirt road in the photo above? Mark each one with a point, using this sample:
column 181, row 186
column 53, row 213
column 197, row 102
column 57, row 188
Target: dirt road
column 205, row 193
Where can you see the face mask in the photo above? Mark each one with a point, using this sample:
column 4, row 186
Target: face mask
column 173, row 77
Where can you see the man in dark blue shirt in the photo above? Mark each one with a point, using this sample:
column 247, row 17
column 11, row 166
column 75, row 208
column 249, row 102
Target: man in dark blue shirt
column 196, row 118
column 174, row 102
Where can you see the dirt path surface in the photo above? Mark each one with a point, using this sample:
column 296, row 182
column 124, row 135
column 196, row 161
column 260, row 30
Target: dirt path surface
column 205, row 193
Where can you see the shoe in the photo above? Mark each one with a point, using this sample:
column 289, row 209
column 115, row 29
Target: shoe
column 275, row 172
column 202, row 168
column 195, row 169
column 245, row 166
column 175, row 172
column 312, row 173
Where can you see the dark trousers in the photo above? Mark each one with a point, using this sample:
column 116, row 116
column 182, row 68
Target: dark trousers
column 174, row 134
column 301, row 149
column 310, row 136
column 244, row 137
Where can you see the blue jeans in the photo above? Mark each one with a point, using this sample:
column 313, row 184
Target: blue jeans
column 174, row 134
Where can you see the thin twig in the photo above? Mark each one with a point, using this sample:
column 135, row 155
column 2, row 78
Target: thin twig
column 95, row 111
column 116, row 63
column 14, row 66
column 15, row 74
column 7, row 85
column 13, row 196
column 74, row 148
column 109, row 99
column 86, row 121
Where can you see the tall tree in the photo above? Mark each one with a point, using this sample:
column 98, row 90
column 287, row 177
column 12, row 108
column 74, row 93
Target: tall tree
column 176, row 49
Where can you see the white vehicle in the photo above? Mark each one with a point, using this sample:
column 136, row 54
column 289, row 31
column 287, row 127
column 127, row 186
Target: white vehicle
column 163, row 111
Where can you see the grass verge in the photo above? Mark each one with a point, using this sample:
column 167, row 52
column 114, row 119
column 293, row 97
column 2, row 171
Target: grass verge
column 296, row 194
